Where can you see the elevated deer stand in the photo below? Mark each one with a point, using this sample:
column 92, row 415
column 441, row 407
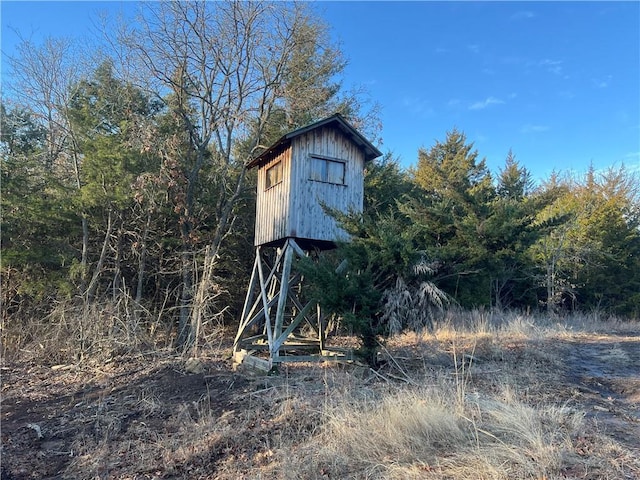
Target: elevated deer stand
column 275, row 314
column 320, row 165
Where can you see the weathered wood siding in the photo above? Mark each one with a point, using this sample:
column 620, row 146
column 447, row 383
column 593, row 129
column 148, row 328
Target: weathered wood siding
column 293, row 207
column 307, row 219
column 272, row 205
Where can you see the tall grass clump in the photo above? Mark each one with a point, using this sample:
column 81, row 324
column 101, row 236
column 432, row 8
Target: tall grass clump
column 398, row 428
column 427, row 433
column 481, row 322
column 73, row 331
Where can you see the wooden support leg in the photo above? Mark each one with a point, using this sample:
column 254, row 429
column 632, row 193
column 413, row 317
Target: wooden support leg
column 246, row 313
column 282, row 301
column 265, row 303
column 321, row 332
column 275, row 310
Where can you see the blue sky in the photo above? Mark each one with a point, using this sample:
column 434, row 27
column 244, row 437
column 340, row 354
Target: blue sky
column 556, row 82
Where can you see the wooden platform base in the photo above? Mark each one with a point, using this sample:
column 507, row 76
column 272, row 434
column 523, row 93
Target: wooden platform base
column 278, row 324
column 250, row 358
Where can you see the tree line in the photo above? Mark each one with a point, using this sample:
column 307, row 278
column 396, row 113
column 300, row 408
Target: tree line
column 124, row 177
column 449, row 233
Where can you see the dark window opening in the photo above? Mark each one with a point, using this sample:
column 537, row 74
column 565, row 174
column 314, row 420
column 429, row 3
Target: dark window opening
column 274, row 175
column 327, row 171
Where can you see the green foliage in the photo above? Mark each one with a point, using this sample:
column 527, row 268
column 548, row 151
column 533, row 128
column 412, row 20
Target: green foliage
column 588, row 253
column 511, row 230
column 451, row 169
column 450, row 216
column 35, row 216
column 347, row 290
column 103, row 112
column 21, row 136
column 310, row 87
column 514, row 181
column 359, row 281
column 385, row 186
column 606, row 232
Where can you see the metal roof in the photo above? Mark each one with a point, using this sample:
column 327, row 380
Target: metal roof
column 337, row 120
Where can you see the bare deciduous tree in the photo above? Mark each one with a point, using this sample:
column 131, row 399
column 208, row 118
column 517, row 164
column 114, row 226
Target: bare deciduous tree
column 225, row 66
column 42, row 77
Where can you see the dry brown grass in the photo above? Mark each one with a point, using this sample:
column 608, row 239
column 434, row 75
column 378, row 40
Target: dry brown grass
column 482, row 396
column 489, row 402
column 75, row 331
column 425, row 433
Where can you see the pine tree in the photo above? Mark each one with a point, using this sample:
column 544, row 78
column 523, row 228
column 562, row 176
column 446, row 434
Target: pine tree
column 511, row 231
column 608, row 232
column 104, row 112
column 379, row 282
column 35, row 221
column 451, row 216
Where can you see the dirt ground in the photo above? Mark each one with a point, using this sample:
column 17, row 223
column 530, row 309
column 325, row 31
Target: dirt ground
column 603, row 376
column 47, row 409
column 86, row 420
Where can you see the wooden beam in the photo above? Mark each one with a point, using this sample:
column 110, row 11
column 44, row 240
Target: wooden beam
column 297, row 248
column 253, row 338
column 312, row 358
column 282, row 301
column 271, row 302
column 260, row 313
column 252, row 284
column 296, row 321
column 265, row 304
column 246, row 358
column 263, row 347
column 321, row 332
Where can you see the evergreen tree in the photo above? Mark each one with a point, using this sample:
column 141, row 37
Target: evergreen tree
column 23, row 182
column 450, row 217
column 589, row 251
column 103, row 112
column 554, row 253
column 514, row 181
column 35, row 222
column 378, row 282
column 608, row 232
column 511, row 231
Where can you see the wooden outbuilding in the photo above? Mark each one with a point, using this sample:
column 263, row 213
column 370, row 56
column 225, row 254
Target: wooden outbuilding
column 304, row 174
column 318, row 165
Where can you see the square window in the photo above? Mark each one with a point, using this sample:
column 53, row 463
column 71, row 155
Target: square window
column 327, row 171
column 318, row 169
column 274, row 175
column 335, row 172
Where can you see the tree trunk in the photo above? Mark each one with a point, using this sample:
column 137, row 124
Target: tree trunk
column 142, row 259
column 93, row 285
column 202, row 297
column 117, row 274
column 184, row 326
